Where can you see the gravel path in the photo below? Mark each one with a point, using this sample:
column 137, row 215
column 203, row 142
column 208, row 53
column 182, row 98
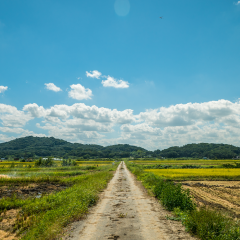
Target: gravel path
column 126, row 212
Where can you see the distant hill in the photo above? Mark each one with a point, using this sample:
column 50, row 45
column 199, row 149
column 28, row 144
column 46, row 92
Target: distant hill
column 49, row 146
column 201, row 150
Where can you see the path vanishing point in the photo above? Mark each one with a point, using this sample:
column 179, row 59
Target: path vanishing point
column 126, row 212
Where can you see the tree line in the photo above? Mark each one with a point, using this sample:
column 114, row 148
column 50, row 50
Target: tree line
column 32, row 147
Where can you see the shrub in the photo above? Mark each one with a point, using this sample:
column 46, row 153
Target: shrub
column 44, row 162
column 209, row 224
column 68, row 162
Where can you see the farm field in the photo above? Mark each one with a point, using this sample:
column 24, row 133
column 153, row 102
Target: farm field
column 37, row 202
column 217, row 188
column 198, row 174
column 221, row 195
column 184, row 162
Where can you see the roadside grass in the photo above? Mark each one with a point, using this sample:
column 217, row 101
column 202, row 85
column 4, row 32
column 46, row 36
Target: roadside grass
column 197, row 174
column 45, row 217
column 205, row 223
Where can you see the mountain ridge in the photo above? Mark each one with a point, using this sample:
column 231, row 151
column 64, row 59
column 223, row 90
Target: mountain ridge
column 49, row 146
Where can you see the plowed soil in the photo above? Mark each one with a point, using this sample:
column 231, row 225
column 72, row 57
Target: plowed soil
column 126, row 211
column 220, row 195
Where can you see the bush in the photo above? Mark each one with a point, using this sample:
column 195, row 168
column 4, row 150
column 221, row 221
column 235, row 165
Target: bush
column 68, row 162
column 173, row 196
column 209, row 224
column 44, row 162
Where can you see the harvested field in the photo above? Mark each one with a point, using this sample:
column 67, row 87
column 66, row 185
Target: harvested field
column 220, row 195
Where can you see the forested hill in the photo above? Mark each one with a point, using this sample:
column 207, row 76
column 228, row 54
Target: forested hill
column 29, row 147
column 201, row 150
column 48, row 146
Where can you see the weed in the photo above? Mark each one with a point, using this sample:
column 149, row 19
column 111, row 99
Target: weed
column 122, row 215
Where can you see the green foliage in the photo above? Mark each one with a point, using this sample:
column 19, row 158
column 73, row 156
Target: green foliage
column 44, row 162
column 228, row 165
column 201, row 150
column 209, row 224
column 171, row 195
column 68, row 162
column 29, row 147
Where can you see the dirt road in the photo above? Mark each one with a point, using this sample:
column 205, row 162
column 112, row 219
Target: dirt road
column 126, row 212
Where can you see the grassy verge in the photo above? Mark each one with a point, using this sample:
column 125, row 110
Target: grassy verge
column 45, row 217
column 205, row 223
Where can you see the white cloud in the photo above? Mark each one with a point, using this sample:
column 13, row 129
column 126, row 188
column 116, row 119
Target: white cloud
column 111, row 82
column 79, row 92
column 180, row 124
column 34, row 110
column 52, row 87
column 12, row 117
column 3, row 89
column 93, row 74
column 190, row 113
column 237, row 3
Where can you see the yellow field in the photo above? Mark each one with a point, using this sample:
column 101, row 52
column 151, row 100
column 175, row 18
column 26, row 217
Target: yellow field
column 181, row 174
column 182, row 162
column 7, row 164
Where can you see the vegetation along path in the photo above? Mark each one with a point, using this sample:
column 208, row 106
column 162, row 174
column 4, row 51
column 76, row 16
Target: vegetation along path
column 127, row 212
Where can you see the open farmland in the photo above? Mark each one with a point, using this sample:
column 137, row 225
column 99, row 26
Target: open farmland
column 217, row 188
column 184, row 162
column 221, row 195
column 198, row 174
column 37, row 202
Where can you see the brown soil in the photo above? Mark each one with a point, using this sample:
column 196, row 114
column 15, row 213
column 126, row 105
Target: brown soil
column 220, row 195
column 30, row 190
column 7, row 223
column 126, row 211
column 8, row 218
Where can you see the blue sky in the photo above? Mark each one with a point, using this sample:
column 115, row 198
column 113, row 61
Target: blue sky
column 114, row 72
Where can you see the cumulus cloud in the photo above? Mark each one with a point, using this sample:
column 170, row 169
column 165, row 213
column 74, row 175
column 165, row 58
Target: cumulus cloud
column 52, row 87
column 3, row 89
column 93, row 74
column 111, row 82
column 237, row 3
column 180, row 124
column 190, row 113
column 12, row 117
column 34, row 110
column 79, row 92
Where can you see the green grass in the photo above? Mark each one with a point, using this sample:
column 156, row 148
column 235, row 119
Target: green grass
column 45, row 217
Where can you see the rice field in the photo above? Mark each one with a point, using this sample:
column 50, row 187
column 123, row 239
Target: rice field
column 183, row 162
column 48, row 198
column 198, row 174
